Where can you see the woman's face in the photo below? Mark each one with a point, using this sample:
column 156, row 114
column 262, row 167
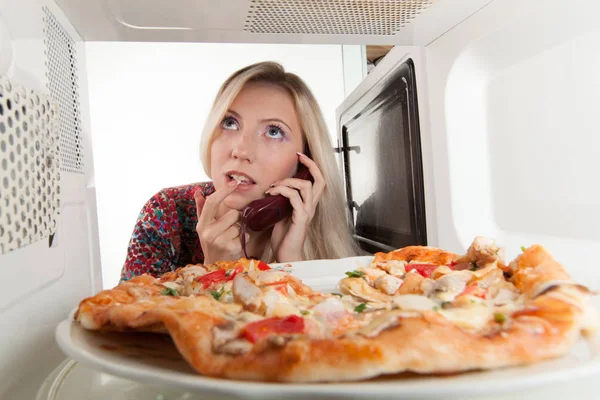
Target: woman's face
column 256, row 143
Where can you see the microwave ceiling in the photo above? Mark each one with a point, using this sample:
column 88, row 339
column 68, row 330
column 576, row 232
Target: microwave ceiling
column 399, row 22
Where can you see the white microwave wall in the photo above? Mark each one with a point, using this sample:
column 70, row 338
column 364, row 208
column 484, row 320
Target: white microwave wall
column 507, row 101
column 41, row 284
column 513, row 130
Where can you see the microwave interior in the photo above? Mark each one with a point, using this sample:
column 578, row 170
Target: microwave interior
column 482, row 120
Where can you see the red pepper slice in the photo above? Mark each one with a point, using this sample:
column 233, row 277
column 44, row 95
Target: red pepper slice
column 219, row 276
column 238, row 270
column 424, row 269
column 212, row 278
column 262, row 266
column 258, row 330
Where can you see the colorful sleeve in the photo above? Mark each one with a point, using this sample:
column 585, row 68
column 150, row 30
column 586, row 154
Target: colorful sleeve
column 154, row 244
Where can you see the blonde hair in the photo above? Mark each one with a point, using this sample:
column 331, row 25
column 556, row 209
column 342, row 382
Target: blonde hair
column 329, row 234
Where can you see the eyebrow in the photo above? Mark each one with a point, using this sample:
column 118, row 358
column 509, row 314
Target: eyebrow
column 237, row 115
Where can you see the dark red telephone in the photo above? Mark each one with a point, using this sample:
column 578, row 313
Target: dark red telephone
column 266, row 212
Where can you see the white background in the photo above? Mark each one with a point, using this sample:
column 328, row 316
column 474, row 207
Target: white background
column 148, row 104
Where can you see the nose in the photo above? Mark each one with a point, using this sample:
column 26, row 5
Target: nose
column 244, row 147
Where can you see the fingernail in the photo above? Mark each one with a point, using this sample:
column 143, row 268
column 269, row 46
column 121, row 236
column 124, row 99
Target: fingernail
column 272, row 185
column 300, row 154
column 267, row 192
column 233, row 183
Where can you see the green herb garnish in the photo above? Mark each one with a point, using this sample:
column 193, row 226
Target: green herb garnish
column 337, row 294
column 355, row 274
column 169, row 292
column 360, row 308
column 436, row 308
column 499, row 317
column 304, row 312
column 217, row 295
column 523, row 248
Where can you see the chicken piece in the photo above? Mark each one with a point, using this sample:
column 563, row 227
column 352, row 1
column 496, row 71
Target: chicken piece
column 392, row 267
column 411, row 284
column 371, row 274
column 484, row 251
column 388, row 284
column 246, row 293
column 448, row 286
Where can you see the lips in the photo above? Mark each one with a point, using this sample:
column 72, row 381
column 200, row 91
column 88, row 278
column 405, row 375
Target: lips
column 241, row 177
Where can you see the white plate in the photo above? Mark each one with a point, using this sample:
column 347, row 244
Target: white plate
column 153, row 359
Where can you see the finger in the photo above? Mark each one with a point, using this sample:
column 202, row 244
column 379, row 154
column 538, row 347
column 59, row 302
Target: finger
column 233, row 246
column 227, row 221
column 199, row 199
column 278, row 234
column 210, row 205
column 231, row 233
column 319, row 180
column 293, row 196
column 303, row 186
column 211, row 232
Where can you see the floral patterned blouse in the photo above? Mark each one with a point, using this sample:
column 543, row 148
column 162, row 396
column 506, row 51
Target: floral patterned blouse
column 164, row 237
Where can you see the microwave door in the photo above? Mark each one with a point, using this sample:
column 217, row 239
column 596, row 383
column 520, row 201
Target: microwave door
column 382, row 161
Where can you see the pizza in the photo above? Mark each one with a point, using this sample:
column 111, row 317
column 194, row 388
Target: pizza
column 419, row 309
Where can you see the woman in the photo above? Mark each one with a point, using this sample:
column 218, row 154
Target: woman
column 262, row 126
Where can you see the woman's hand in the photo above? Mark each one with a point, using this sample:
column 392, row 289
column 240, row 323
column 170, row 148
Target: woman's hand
column 287, row 239
column 219, row 238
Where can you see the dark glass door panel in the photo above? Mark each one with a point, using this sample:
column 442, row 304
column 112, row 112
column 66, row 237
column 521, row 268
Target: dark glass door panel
column 382, row 162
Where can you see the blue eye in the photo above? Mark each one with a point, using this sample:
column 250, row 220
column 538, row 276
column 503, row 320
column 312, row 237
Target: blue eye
column 275, row 132
column 230, row 124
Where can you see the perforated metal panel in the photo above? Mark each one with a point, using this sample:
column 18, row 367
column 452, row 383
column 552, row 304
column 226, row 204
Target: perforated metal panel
column 61, row 57
column 338, row 17
column 29, row 166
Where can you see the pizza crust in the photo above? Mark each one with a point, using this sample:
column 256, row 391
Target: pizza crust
column 424, row 344
column 423, row 254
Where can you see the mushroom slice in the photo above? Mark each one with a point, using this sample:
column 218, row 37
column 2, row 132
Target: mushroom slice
column 360, row 289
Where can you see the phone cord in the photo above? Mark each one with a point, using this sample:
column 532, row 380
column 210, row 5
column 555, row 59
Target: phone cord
column 243, row 239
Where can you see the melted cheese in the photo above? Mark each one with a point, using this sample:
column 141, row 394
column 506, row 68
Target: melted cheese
column 278, row 305
column 470, row 318
column 590, row 321
column 413, row 302
column 173, row 285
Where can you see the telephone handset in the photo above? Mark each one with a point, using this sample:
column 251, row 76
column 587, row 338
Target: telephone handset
column 266, row 212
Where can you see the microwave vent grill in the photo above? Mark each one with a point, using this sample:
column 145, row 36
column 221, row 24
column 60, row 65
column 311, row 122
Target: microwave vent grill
column 63, row 85
column 29, row 166
column 332, row 17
